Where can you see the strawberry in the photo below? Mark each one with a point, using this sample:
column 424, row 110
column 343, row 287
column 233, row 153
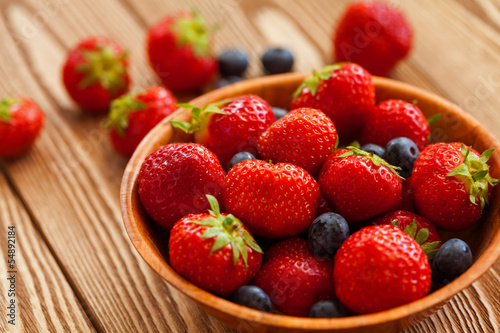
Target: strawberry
column 174, row 179
column 415, row 226
column 304, row 137
column 359, row 185
column 452, row 184
column 407, row 197
column 393, row 119
column 293, row 278
column 132, row 116
column 344, row 92
column 374, row 35
column 273, row 200
column 214, row 251
column 323, row 206
column 230, row 126
column 179, row 52
column 95, row 73
column 21, row 121
column 378, row 268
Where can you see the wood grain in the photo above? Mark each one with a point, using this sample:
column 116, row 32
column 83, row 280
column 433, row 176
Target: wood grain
column 70, row 180
column 44, row 299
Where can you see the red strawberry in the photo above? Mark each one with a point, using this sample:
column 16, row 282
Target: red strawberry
column 452, row 184
column 344, row 92
column 415, row 226
column 293, row 278
column 274, row 201
column 393, row 119
column 378, row 268
column 374, row 35
column 214, row 251
column 359, row 185
column 174, row 179
column 179, row 52
column 304, row 137
column 323, row 206
column 95, row 73
column 230, row 126
column 21, row 121
column 132, row 116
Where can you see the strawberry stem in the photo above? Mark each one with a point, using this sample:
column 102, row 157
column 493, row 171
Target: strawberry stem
column 5, row 105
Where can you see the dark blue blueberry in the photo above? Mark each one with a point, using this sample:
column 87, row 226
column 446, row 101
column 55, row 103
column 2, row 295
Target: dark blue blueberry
column 402, row 152
column 279, row 112
column 277, row 60
column 327, row 232
column 252, row 297
column 224, row 81
column 232, row 62
column 451, row 260
column 328, row 309
column 374, row 149
column 239, row 157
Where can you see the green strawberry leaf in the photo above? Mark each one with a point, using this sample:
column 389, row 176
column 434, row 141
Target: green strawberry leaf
column 377, row 160
column 434, row 119
column 120, row 111
column 198, row 116
column 192, row 31
column 422, row 236
column 5, row 105
column 208, row 222
column 222, row 240
column 211, row 232
column 214, row 204
column 430, row 249
column 411, row 229
column 236, row 252
column 394, row 223
column 485, row 156
column 312, row 82
column 182, row 125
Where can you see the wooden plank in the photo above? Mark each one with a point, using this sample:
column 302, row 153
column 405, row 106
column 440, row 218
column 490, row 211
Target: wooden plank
column 43, row 298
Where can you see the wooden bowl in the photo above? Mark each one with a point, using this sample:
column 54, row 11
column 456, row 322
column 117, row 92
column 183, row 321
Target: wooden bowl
column 455, row 125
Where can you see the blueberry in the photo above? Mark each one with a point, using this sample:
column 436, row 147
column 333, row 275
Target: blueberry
column 277, row 60
column 327, row 232
column 239, row 157
column 328, row 309
column 402, row 152
column 374, row 149
column 232, row 62
column 452, row 259
column 252, row 297
column 224, row 81
column 279, row 112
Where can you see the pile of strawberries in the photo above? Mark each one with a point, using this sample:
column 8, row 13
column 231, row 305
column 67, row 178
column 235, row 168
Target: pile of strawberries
column 344, row 233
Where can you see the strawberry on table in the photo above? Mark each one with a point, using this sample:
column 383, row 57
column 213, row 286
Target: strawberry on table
column 304, row 137
column 230, row 126
column 132, row 116
column 21, row 121
column 359, row 185
column 214, row 251
column 396, row 118
column 293, row 278
column 174, row 180
column 415, row 226
column 452, row 184
column 273, row 200
column 179, row 51
column 373, row 34
column 379, row 268
column 95, row 73
column 344, row 92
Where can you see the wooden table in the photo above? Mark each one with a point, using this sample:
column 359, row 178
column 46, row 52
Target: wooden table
column 76, row 268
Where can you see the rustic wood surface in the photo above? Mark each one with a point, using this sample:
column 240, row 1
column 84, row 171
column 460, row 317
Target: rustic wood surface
column 77, row 270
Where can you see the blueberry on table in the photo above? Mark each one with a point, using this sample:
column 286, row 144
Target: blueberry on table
column 326, row 233
column 279, row 112
column 239, row 157
column 374, row 149
column 277, row 60
column 328, row 309
column 225, row 81
column 452, row 259
column 402, row 152
column 232, row 62
column 252, row 297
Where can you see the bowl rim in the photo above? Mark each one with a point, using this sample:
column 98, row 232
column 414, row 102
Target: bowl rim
column 156, row 262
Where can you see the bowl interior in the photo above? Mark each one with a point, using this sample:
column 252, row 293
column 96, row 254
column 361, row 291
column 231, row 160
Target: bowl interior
column 151, row 240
